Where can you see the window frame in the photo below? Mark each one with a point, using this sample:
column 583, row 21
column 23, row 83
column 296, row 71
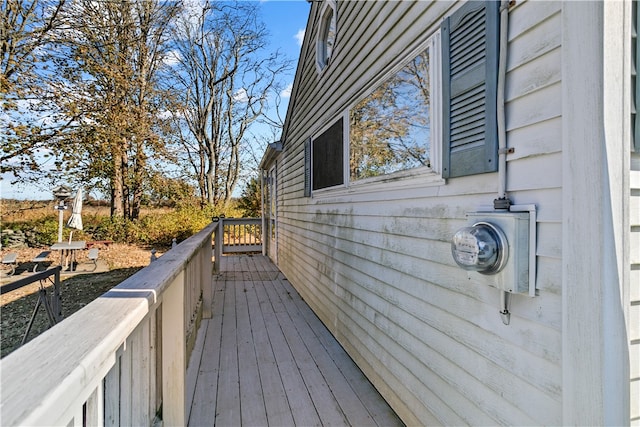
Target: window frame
column 433, row 43
column 310, row 191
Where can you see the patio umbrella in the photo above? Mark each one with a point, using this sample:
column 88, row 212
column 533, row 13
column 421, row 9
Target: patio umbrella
column 75, row 220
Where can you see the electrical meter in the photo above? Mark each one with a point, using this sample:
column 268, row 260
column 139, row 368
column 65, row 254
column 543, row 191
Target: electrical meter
column 496, row 244
column 483, row 247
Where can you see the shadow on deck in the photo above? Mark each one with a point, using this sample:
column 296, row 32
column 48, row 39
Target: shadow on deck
column 265, row 359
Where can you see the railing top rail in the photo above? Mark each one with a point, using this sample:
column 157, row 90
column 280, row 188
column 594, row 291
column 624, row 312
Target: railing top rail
column 242, row 220
column 37, row 390
column 29, row 279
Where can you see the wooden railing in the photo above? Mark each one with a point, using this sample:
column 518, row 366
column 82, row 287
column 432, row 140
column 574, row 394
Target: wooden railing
column 122, row 359
column 237, row 235
column 52, row 304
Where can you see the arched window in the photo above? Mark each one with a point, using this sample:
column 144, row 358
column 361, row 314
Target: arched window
column 326, row 36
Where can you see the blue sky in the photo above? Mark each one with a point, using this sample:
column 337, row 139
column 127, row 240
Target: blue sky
column 286, row 21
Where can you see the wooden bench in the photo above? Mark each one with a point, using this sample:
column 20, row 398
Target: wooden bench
column 11, row 259
column 93, row 256
column 42, row 257
column 98, row 242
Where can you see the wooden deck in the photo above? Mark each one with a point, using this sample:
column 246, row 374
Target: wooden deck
column 265, row 359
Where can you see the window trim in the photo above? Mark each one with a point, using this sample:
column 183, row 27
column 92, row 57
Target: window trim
column 440, row 154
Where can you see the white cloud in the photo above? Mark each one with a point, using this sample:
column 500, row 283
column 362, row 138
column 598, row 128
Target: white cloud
column 286, row 92
column 172, row 57
column 241, row 96
column 299, row 36
column 165, row 114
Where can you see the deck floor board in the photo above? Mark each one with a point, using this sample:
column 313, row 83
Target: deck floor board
column 267, row 360
column 275, row 397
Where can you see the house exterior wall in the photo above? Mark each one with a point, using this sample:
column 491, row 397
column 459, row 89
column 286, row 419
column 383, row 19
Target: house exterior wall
column 374, row 261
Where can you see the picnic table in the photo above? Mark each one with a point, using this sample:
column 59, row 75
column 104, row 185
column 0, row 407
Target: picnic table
column 68, row 251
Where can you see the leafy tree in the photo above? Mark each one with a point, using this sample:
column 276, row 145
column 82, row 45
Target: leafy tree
column 250, row 202
column 172, row 192
column 116, row 49
column 80, row 87
column 86, row 88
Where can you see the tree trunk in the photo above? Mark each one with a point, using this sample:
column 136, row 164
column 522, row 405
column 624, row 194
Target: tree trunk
column 117, row 189
column 139, row 166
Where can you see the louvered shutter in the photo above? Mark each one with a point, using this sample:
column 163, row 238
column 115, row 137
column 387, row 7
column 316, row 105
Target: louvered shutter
column 307, row 168
column 470, row 74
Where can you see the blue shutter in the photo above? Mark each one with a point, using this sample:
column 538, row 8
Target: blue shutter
column 307, row 168
column 470, row 41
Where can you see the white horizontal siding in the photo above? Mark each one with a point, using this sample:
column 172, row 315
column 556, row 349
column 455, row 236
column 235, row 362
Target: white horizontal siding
column 374, row 260
column 634, row 297
column 534, row 31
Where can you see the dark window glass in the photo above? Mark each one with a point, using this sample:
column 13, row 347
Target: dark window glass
column 328, row 157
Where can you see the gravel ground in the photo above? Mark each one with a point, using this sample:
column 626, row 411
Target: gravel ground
column 16, row 307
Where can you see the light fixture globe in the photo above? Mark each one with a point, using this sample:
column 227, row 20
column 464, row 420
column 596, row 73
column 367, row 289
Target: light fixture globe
column 482, row 247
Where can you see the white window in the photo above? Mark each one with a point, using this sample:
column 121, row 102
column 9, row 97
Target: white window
column 396, row 127
column 326, row 36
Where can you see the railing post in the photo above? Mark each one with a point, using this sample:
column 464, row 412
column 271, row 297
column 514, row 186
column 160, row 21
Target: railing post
column 219, row 233
column 207, row 280
column 174, row 360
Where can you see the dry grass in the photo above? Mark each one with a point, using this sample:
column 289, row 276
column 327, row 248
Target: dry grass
column 16, row 307
column 33, row 210
column 116, row 255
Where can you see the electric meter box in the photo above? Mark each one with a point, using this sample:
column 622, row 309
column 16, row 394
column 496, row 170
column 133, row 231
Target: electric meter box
column 511, row 230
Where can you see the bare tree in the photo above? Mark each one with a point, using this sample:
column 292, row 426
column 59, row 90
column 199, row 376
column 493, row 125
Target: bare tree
column 224, row 77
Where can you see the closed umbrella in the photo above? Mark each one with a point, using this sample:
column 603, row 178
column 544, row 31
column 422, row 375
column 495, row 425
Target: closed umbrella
column 75, row 221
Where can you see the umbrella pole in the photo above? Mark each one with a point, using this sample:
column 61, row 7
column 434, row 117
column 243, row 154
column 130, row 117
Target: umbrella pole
column 60, row 214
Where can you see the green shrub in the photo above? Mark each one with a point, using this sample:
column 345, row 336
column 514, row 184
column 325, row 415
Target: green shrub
column 157, row 228
column 46, row 231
